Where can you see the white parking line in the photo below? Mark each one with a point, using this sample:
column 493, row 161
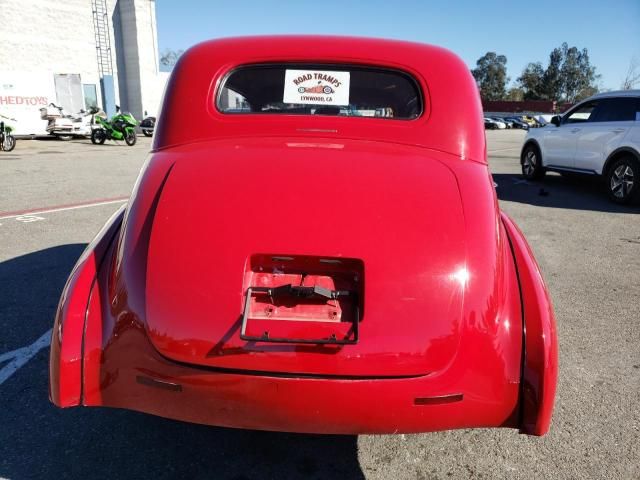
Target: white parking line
column 62, row 209
column 21, row 356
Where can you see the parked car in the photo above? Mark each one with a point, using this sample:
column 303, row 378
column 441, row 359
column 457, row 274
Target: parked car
column 518, row 123
column 148, row 125
column 293, row 267
column 493, row 124
column 540, row 121
column 490, row 124
column 528, row 120
column 599, row 136
column 545, row 118
column 501, row 125
column 507, row 122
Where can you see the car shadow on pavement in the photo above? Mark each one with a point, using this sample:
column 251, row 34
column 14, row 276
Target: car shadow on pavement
column 38, row 440
column 559, row 191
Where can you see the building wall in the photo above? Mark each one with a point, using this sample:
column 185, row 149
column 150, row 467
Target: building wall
column 48, row 37
column 150, row 75
column 124, row 18
column 41, row 39
column 138, row 56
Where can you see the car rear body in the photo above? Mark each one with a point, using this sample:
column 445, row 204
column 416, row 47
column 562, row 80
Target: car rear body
column 407, row 294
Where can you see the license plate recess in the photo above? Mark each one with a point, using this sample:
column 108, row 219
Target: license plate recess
column 302, row 299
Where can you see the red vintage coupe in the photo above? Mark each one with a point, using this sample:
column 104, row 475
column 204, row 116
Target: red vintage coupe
column 332, row 268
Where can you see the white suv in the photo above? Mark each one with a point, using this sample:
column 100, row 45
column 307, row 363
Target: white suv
column 599, row 136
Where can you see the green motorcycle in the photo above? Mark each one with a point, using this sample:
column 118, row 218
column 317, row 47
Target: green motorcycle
column 121, row 127
column 7, row 141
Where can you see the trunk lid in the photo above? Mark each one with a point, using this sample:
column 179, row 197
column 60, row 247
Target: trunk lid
column 382, row 221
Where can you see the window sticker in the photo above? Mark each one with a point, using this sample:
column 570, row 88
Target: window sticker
column 317, row 87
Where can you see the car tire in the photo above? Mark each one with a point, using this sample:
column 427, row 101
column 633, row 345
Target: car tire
column 98, row 136
column 531, row 161
column 623, row 180
column 130, row 138
column 64, row 138
column 9, row 143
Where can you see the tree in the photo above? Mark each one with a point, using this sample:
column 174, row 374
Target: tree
column 569, row 76
column 633, row 75
column 515, row 94
column 531, row 81
column 586, row 92
column 169, row 57
column 551, row 88
column 491, row 75
column 577, row 74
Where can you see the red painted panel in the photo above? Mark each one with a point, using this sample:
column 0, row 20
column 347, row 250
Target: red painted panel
column 541, row 361
column 395, row 208
column 65, row 362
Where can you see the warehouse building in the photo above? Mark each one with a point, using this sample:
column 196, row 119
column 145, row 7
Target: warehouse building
column 78, row 53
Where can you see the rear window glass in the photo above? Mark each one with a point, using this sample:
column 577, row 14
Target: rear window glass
column 319, row 89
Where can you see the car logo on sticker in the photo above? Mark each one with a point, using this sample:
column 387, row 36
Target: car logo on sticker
column 326, row 89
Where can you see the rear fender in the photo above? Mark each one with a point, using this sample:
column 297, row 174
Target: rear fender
column 540, row 362
column 65, row 360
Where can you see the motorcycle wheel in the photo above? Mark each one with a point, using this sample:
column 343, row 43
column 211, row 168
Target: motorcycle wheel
column 130, row 137
column 98, row 136
column 9, row 143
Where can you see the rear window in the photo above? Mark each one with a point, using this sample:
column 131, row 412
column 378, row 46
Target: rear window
column 319, row 89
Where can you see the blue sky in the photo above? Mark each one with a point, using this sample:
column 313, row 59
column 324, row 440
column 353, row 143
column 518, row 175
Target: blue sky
column 524, row 31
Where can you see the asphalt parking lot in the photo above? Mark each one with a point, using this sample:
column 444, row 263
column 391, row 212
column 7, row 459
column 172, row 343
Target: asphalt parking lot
column 54, row 196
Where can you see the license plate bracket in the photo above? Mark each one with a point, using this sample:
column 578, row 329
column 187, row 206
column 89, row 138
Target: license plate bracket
column 308, row 331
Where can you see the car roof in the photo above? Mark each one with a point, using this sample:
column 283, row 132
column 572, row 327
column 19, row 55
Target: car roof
column 616, row 93
column 450, row 93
